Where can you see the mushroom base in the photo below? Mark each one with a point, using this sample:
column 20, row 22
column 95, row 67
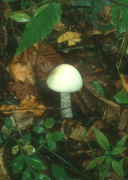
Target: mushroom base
column 66, row 111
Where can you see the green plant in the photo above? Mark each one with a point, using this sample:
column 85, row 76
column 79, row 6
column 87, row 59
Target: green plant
column 111, row 158
column 39, row 24
column 26, row 160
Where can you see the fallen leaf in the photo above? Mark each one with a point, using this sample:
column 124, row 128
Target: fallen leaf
column 3, row 171
column 29, row 103
column 60, row 26
column 71, row 37
column 17, row 71
column 124, row 80
column 7, row 109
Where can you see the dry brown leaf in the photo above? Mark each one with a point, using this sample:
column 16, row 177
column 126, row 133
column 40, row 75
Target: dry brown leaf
column 74, row 129
column 34, row 63
column 3, row 171
column 29, row 103
column 106, row 13
column 60, row 26
column 18, row 71
column 124, row 81
column 71, row 37
column 123, row 120
column 7, row 109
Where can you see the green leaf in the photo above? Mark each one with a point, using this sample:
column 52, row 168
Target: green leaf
column 49, row 123
column 51, row 145
column 59, row 172
column 118, row 150
column 35, row 163
column 26, row 175
column 41, row 177
column 38, row 129
column 103, row 173
column 108, row 162
column 117, row 167
column 121, row 97
column 41, row 141
column 26, row 138
column 8, row 123
column 57, row 136
column 18, row 164
column 29, row 149
column 95, row 162
column 120, row 18
column 40, row 26
column 15, row 149
column 99, row 88
column 20, row 17
column 121, row 142
column 40, row 9
column 102, row 139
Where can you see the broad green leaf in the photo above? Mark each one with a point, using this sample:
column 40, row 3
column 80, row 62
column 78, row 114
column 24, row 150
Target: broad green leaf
column 120, row 16
column 41, row 177
column 40, row 26
column 117, row 167
column 118, row 150
column 102, row 139
column 99, row 88
column 108, row 162
column 20, row 17
column 8, row 123
column 121, row 142
column 38, row 129
column 35, row 163
column 121, row 97
column 59, row 173
column 103, row 173
column 27, row 175
column 49, row 123
column 18, row 164
column 57, row 135
column 40, row 9
column 95, row 162
column 51, row 145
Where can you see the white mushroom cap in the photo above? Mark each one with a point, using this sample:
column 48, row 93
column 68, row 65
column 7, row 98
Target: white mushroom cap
column 65, row 78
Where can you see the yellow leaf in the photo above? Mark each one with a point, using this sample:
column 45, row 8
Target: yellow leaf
column 71, row 37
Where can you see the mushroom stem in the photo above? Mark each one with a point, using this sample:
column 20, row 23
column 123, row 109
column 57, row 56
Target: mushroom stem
column 66, row 110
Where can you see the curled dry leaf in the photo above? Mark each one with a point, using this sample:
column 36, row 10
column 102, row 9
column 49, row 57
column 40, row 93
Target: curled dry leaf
column 71, row 37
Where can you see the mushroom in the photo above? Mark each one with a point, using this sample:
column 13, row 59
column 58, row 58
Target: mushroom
column 65, row 79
